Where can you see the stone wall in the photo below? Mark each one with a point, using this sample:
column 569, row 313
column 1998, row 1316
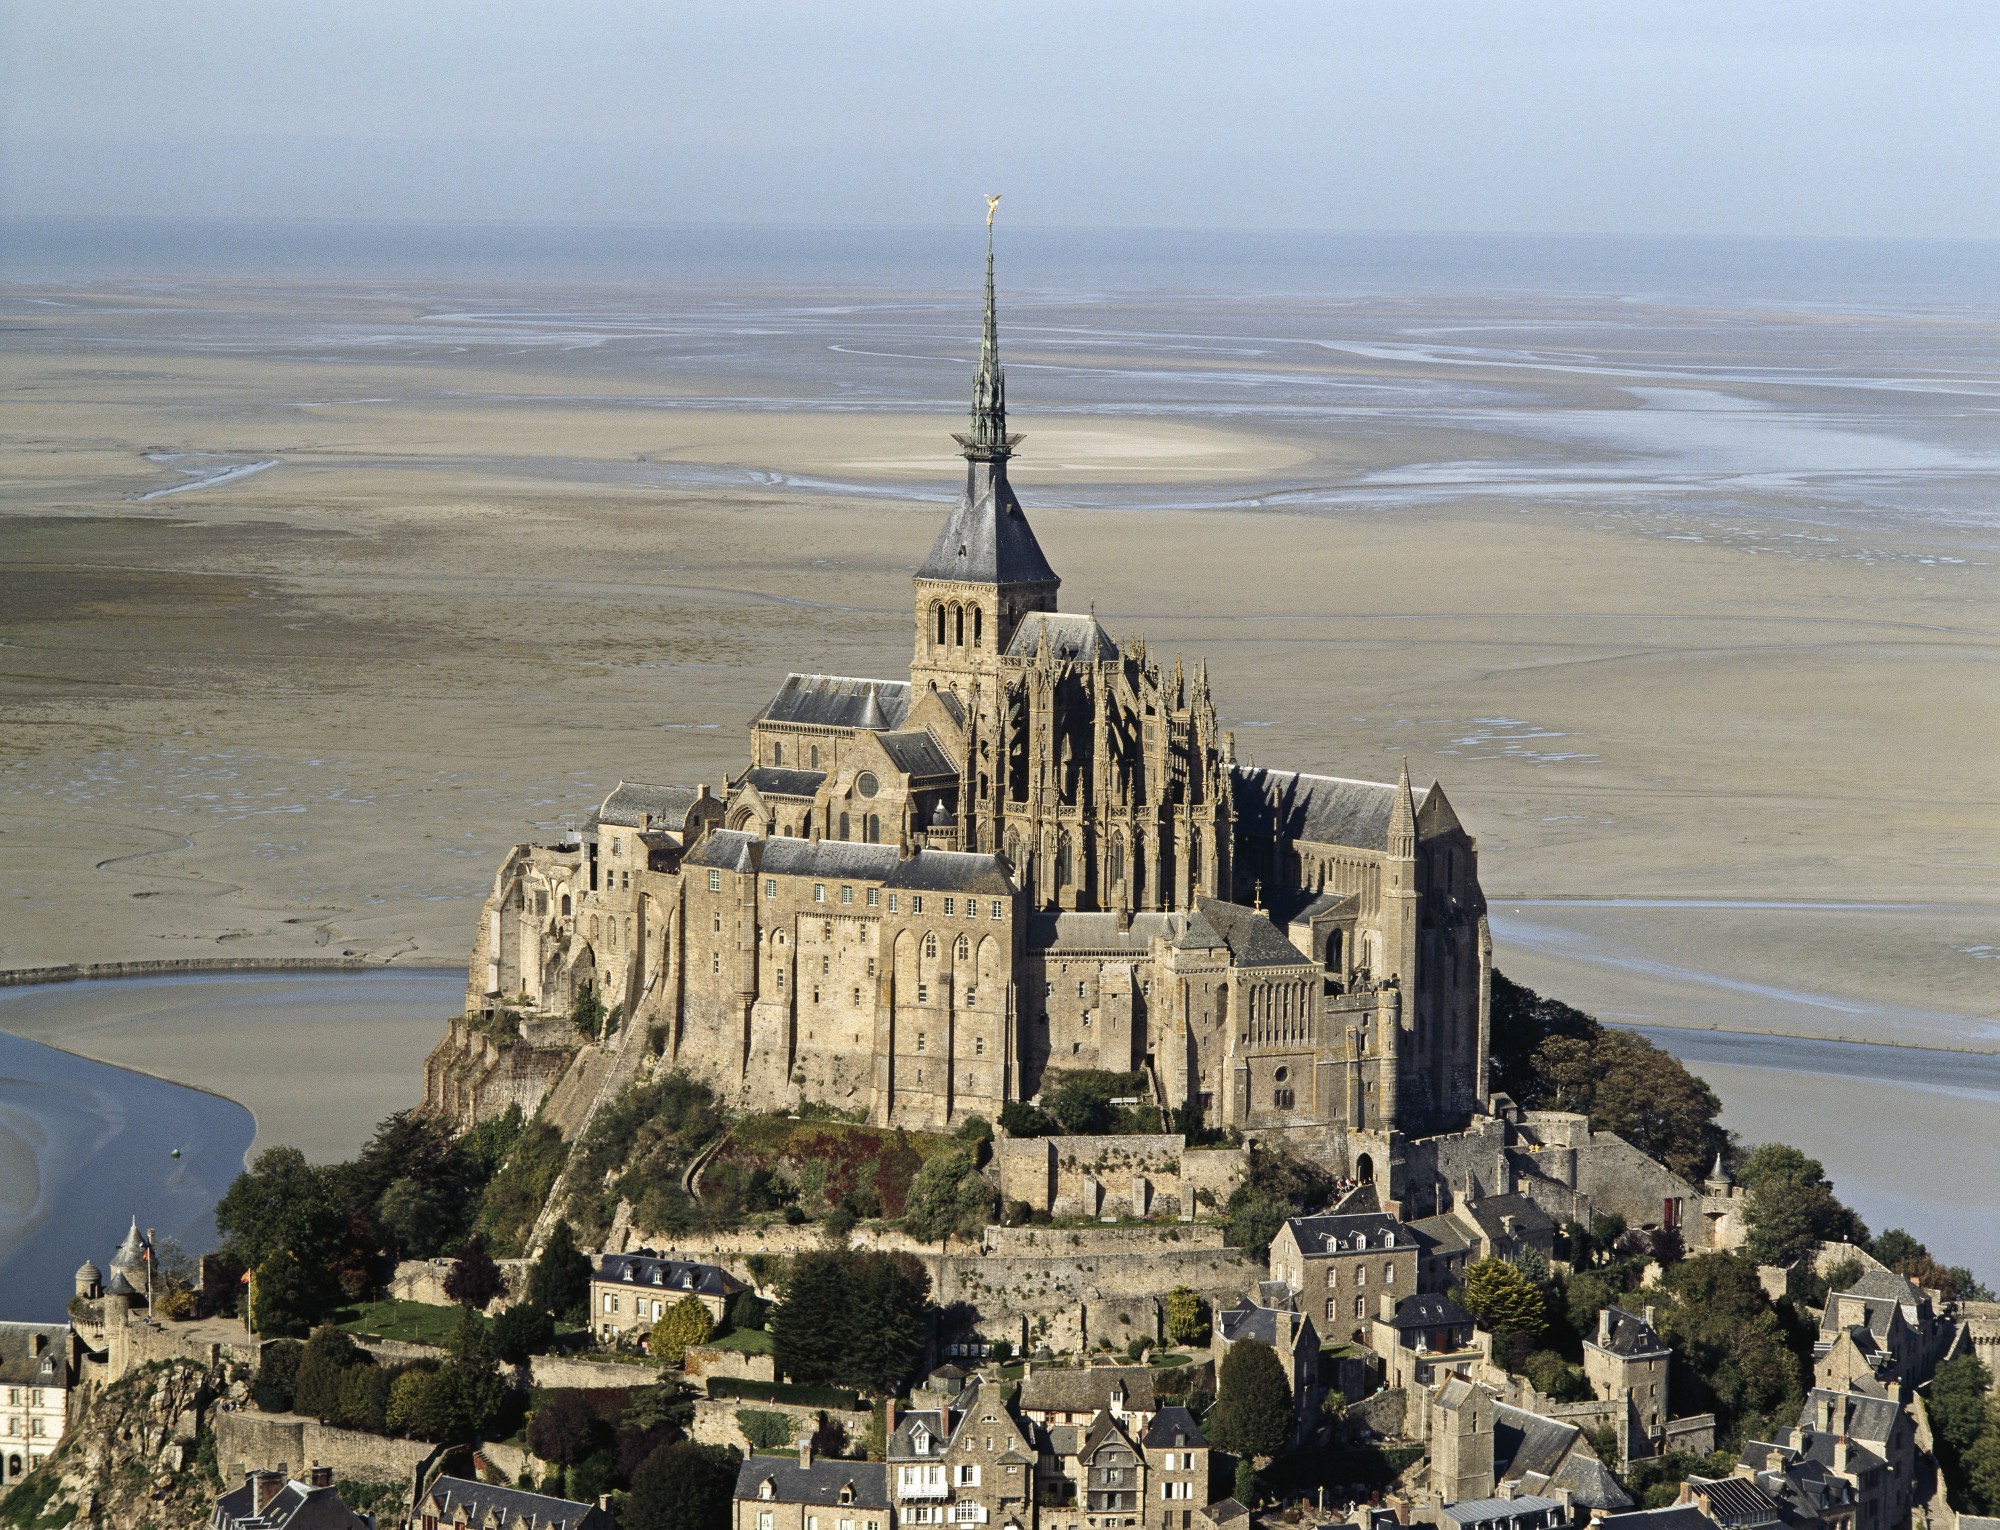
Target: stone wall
column 422, row 1280
column 470, row 1077
column 563, row 1371
column 715, row 1420
column 705, row 1360
column 1068, row 1242
column 1136, row 1176
column 248, row 1441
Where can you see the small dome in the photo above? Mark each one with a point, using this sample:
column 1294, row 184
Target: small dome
column 89, row 1273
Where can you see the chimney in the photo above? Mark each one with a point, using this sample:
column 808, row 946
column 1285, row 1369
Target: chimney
column 604, row 1503
column 320, row 1476
column 41, row 1342
column 1604, row 1328
column 264, row 1486
column 1826, row 1412
column 1774, row 1460
column 889, row 1420
column 1649, row 1314
column 1840, row 1456
column 805, row 1443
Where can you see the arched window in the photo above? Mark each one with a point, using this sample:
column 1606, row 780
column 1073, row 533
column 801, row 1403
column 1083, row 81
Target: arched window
column 565, row 905
column 930, row 947
column 871, row 829
column 1062, row 860
column 1333, row 950
column 937, row 621
column 593, row 926
column 964, row 948
column 628, row 929
column 1117, row 861
column 1194, row 859
column 843, row 826
column 815, row 756
column 978, row 622
column 777, row 754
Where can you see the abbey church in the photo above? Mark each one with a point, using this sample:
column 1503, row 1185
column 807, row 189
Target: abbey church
column 924, row 897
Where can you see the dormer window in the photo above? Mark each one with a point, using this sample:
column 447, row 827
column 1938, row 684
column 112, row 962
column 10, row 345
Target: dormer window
column 847, row 1493
column 765, row 1489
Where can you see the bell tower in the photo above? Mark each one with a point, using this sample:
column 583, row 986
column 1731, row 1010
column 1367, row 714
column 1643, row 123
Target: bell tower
column 986, row 570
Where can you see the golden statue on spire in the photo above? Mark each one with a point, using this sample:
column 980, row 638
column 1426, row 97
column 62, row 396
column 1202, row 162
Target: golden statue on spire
column 992, row 202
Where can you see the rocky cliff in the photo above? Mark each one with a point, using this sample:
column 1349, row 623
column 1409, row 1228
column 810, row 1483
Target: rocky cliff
column 136, row 1458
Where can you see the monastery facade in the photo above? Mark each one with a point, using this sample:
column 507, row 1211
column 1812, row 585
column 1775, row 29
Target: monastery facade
column 926, row 897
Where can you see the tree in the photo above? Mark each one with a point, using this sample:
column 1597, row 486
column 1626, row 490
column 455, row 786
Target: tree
column 277, row 1375
column 1020, row 1119
column 565, row 1428
column 1081, row 1103
column 1957, row 1402
column 521, row 1331
column 587, row 1013
column 1789, row 1206
column 1253, row 1406
column 1585, row 1295
column 683, row 1486
column 326, row 1356
column 686, row 1322
column 474, row 1279
column 1504, row 1300
column 850, row 1319
column 764, row 1429
column 281, row 1218
column 975, row 1129
column 560, row 1281
column 413, row 1404
column 1554, row 1377
column 1247, row 1487
column 1277, row 1187
column 1982, row 1473
column 1729, row 1344
column 948, row 1198
column 1186, row 1323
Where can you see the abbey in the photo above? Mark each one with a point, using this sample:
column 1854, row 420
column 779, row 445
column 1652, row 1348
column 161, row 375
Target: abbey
column 925, row 897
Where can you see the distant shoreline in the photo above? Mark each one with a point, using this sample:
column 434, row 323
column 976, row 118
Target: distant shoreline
column 93, row 972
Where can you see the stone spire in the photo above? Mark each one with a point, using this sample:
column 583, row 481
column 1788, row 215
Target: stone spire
column 1403, row 817
column 989, row 440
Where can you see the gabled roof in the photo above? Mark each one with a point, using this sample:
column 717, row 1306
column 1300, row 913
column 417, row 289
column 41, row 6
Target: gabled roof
column 672, row 1277
column 1440, row 1235
column 1104, row 1430
column 484, row 1503
column 22, row 1364
column 915, row 753
column 295, row 1506
column 1479, row 1511
column 1528, row 1217
column 1429, row 1312
column 1544, row 1454
column 1067, row 931
column 1630, row 1335
column 1071, row 637
column 1275, row 1326
column 1737, row 1501
column 1174, row 1428
column 727, row 849
column 838, row 701
column 783, row 780
column 1252, row 939
column 631, row 801
column 951, row 871
column 1324, row 1235
column 1321, row 810
column 1071, row 1389
column 785, row 856
column 987, row 539
column 820, row 1484
column 1675, row 1516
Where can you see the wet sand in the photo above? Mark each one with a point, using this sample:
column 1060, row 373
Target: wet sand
column 1674, row 619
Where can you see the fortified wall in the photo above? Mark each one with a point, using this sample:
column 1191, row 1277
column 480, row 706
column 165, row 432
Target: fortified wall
column 1136, row 1176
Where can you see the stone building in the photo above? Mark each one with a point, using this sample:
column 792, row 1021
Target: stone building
column 779, row 1493
column 35, row 1376
column 1290, row 1335
column 459, row 1503
column 1627, row 1362
column 969, row 1461
column 1338, row 1266
column 924, row 897
column 631, row 1292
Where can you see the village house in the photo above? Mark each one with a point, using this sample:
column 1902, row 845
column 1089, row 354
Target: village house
column 35, row 1377
column 271, row 1501
column 1627, row 1362
column 779, row 1492
column 1424, row 1337
column 1812, row 1493
column 968, row 1461
column 1177, row 1457
column 1899, row 1319
column 1296, row 1342
column 1338, row 1265
column 629, row 1293
column 457, row 1503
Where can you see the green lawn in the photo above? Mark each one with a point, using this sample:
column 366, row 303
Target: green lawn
column 749, row 1341
column 408, row 1322
column 1167, row 1361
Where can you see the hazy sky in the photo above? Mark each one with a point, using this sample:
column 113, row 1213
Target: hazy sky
column 1613, row 116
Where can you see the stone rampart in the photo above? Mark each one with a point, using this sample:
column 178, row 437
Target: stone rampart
column 563, row 1371
column 470, row 1076
column 76, row 972
column 715, row 1420
column 247, row 1441
column 422, row 1280
column 1068, row 1242
column 704, row 1361
column 1131, row 1176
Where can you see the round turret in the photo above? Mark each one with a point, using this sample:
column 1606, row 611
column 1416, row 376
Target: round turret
column 89, row 1281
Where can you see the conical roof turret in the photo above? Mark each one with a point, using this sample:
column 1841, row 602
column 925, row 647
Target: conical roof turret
column 1403, row 816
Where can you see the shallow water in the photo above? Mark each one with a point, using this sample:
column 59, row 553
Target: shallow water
column 84, row 1147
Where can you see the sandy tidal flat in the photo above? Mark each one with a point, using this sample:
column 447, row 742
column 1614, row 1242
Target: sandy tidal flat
column 1683, row 607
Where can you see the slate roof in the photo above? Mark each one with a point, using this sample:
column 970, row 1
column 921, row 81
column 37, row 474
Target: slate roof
column 1479, row 1511
column 21, row 1366
column 1105, row 1430
column 1357, row 1201
column 916, row 753
column 1252, row 939
column 730, row 849
column 483, row 1503
column 1077, row 1390
column 936, row 1427
column 1808, row 1488
column 631, row 801
column 1102, row 932
column 1862, row 1415
column 819, row 1484
column 1630, row 1335
column 1737, row 1501
column 1545, row 1453
column 1429, row 1312
column 1323, row 810
column 1174, row 1428
column 1072, row 637
column 1442, row 1233
column 295, row 1506
column 1675, row 1516
column 951, row 871
column 1528, row 1217
column 838, row 701
column 987, row 539
column 666, row 1275
column 1225, row 1510
column 785, row 856
column 783, row 780
column 1326, row 1235
column 1275, row 1326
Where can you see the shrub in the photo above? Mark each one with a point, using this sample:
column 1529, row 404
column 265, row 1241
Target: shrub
column 1504, row 1300
column 522, row 1330
column 683, row 1486
column 764, row 1429
column 565, row 1428
column 1186, row 1322
column 474, row 1279
column 686, row 1322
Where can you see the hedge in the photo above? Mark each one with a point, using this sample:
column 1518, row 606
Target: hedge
column 784, row 1392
